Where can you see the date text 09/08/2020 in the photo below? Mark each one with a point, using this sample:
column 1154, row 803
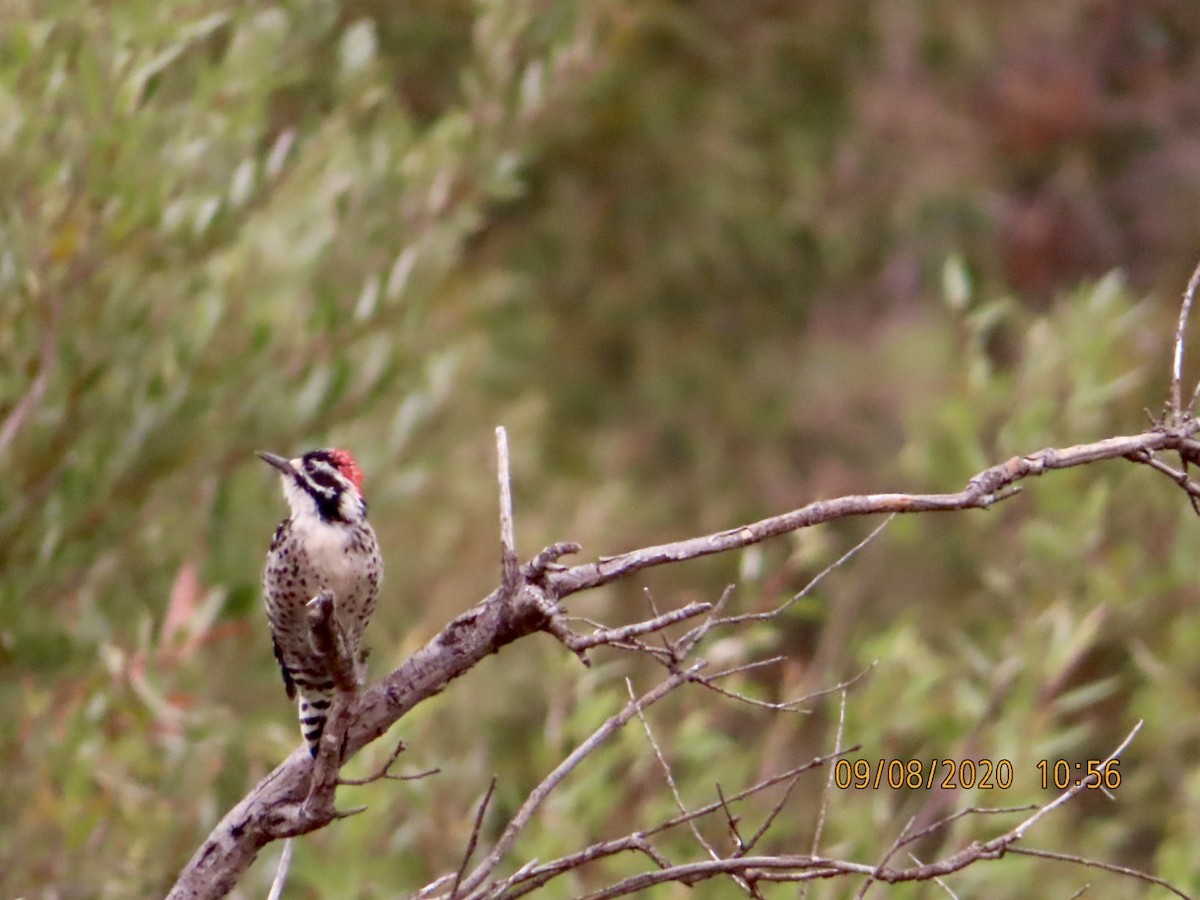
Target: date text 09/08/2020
column 968, row 774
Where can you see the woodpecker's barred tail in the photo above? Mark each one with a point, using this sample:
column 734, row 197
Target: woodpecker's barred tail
column 326, row 544
column 314, row 706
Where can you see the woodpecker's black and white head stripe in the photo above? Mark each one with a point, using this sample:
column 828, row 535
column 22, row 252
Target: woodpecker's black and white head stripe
column 326, row 484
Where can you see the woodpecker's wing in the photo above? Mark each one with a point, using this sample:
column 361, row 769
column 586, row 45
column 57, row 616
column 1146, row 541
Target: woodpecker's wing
column 288, row 684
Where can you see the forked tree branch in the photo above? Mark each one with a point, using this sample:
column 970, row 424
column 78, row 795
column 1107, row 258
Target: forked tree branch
column 528, row 601
column 812, row 867
column 274, row 809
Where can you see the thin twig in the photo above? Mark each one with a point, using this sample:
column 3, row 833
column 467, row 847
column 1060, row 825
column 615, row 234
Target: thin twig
column 731, row 822
column 384, row 771
column 938, row 881
column 806, row 868
column 741, row 848
column 539, row 794
column 508, row 543
column 533, row 877
column 319, row 803
column 471, row 844
column 1104, row 866
column 281, row 871
column 772, row 815
column 891, row 851
column 921, row 833
column 613, row 635
column 814, row 763
column 823, row 808
column 670, row 777
column 1176, row 475
column 747, row 667
column 1177, row 358
column 1089, row 781
column 683, row 647
column 794, row 705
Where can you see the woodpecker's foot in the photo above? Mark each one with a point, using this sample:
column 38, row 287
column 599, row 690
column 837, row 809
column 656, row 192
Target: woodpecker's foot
column 316, row 602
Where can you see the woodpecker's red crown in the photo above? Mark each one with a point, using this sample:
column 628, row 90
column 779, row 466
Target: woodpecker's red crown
column 347, row 465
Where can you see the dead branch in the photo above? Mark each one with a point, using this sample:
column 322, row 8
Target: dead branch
column 384, row 772
column 508, row 543
column 539, row 794
column 270, row 811
column 474, row 841
column 985, row 489
column 532, row 877
column 812, row 867
column 281, row 871
column 669, row 776
column 1176, row 410
column 1103, row 866
column 330, row 642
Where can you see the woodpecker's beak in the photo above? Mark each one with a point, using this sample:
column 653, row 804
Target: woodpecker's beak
column 279, row 462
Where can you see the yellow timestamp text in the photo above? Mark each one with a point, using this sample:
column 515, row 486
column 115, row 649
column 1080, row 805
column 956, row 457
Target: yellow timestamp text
column 948, row 774
column 1093, row 773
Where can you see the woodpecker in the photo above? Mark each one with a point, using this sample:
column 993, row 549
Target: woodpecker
column 325, row 545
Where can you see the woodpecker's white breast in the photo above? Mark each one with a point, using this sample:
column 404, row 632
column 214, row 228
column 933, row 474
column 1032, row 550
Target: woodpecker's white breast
column 326, row 545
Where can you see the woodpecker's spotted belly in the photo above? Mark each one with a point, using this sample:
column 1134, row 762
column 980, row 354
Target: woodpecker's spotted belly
column 326, row 544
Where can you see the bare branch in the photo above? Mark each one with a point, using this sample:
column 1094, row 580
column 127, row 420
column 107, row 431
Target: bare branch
column 384, row 772
column 271, row 811
column 796, row 704
column 281, row 871
column 604, row 635
column 814, row 763
column 539, row 794
column 683, row 647
column 1090, row 781
column 471, row 844
column 731, row 821
column 330, row 642
column 807, row 868
column 813, row 582
column 891, row 851
column 1177, row 358
column 772, row 815
column 533, row 877
column 319, row 804
column 982, row 491
column 669, row 776
column 1176, row 475
column 1104, row 866
column 556, row 624
column 823, row 809
column 913, row 836
column 508, row 552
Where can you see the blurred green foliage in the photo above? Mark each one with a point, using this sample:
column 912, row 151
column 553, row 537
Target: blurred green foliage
column 707, row 262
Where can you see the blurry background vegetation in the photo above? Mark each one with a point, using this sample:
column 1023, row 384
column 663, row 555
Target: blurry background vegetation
column 707, row 261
